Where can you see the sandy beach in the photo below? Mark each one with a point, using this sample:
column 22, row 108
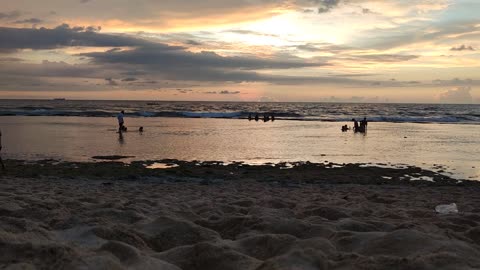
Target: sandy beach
column 213, row 216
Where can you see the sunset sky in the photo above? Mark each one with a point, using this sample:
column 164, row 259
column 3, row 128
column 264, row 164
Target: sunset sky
column 242, row 50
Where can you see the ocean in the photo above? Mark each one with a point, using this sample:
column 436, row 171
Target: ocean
column 445, row 138
column 397, row 113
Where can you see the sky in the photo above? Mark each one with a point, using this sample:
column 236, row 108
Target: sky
column 423, row 51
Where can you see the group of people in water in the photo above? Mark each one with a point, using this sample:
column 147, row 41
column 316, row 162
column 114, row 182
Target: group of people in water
column 357, row 126
column 266, row 117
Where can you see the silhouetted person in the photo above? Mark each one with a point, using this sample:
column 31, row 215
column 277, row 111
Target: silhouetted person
column 121, row 126
column 249, row 117
column 365, row 124
column 1, row 161
column 256, row 117
column 355, row 125
column 272, row 117
column 344, row 128
column 140, row 129
column 266, row 118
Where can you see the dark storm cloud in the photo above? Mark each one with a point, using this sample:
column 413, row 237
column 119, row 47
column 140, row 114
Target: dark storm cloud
column 462, row 47
column 31, row 20
column 164, row 58
column 65, row 36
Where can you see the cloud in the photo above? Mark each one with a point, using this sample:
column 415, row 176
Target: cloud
column 165, row 57
column 154, row 15
column 10, row 59
column 384, row 57
column 173, row 63
column 53, row 69
column 456, row 82
column 326, row 5
column 227, row 92
column 31, row 20
column 193, row 42
column 111, row 81
column 184, row 91
column 462, row 48
column 308, row 47
column 267, row 99
column 64, row 36
column 366, row 10
column 10, row 15
column 250, row 32
column 129, row 79
column 415, row 32
column 457, row 95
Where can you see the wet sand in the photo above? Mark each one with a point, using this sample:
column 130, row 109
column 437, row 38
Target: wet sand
column 207, row 215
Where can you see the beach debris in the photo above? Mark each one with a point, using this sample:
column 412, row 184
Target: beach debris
column 446, row 209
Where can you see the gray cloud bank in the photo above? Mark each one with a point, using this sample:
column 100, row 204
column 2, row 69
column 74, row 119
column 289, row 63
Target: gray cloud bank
column 457, row 95
column 462, row 47
column 62, row 36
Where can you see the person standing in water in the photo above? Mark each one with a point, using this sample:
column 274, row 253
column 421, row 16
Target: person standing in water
column 266, row 118
column 121, row 127
column 1, row 161
column 355, row 125
column 365, row 124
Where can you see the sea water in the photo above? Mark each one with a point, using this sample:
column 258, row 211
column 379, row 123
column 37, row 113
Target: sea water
column 406, row 113
column 448, row 146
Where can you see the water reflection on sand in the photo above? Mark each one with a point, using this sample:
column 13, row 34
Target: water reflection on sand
column 453, row 146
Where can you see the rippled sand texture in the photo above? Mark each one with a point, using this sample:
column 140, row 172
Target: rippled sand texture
column 85, row 224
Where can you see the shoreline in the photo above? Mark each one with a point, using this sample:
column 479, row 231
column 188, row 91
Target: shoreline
column 301, row 172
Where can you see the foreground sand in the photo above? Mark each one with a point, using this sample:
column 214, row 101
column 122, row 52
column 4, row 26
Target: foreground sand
column 174, row 221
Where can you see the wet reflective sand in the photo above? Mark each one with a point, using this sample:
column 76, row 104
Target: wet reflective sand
column 451, row 148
